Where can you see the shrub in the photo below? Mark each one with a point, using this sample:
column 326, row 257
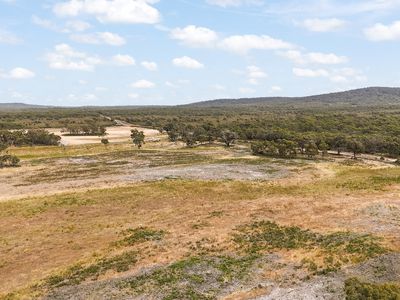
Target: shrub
column 9, row 161
column 357, row 290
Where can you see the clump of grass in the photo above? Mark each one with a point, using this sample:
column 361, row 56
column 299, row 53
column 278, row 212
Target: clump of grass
column 80, row 273
column 356, row 178
column 358, row 290
column 266, row 235
column 363, row 246
column 192, row 278
column 200, row 225
column 140, row 235
column 333, row 249
column 216, row 214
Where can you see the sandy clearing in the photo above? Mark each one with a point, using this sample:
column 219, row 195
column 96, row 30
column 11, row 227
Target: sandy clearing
column 115, row 134
column 13, row 185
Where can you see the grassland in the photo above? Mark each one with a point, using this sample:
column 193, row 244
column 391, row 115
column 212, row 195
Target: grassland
column 169, row 222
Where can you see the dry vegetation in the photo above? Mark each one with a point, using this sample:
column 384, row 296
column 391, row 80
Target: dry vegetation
column 168, row 222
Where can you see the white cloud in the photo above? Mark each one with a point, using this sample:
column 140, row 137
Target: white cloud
column 89, row 97
column 276, row 89
column 242, row 44
column 329, row 8
column 99, row 38
column 254, row 74
column 77, row 25
column 45, row 23
column 65, row 57
column 381, row 32
column 342, row 75
column 227, row 3
column 123, row 60
column 244, row 90
column 100, row 89
column 70, row 26
column 7, row 37
column 171, row 84
column 314, row 58
column 187, row 62
column 300, row 72
column 323, row 25
column 295, row 56
column 347, row 75
column 19, row 73
column 111, row 11
column 143, row 84
column 195, row 36
column 150, row 65
column 326, row 58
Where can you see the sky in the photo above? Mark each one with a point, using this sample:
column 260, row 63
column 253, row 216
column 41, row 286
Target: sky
column 167, row 52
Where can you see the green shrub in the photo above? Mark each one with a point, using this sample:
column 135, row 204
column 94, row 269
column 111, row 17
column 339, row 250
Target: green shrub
column 79, row 273
column 9, row 161
column 140, row 235
column 357, row 290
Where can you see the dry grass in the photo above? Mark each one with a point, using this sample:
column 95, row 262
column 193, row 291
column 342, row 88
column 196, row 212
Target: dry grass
column 43, row 236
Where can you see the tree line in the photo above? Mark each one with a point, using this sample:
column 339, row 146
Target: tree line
column 33, row 137
column 23, row 138
column 88, row 129
column 192, row 135
column 283, row 143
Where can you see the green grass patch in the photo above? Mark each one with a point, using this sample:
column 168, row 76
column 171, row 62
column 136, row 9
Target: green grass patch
column 266, row 235
column 359, row 178
column 358, row 290
column 80, row 273
column 335, row 249
column 140, row 235
column 192, row 278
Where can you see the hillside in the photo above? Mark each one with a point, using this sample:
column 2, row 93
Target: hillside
column 366, row 96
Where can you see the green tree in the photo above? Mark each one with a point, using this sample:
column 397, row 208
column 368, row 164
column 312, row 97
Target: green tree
column 173, row 135
column 7, row 160
column 137, row 137
column 323, row 147
column 189, row 138
column 286, row 149
column 302, row 143
column 356, row 147
column 3, row 147
column 228, row 137
column 339, row 144
column 105, row 142
column 311, row 149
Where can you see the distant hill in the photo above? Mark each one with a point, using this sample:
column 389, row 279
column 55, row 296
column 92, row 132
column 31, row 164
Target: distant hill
column 359, row 97
column 371, row 96
column 18, row 106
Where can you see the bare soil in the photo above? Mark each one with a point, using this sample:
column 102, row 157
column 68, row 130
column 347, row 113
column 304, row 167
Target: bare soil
column 115, row 134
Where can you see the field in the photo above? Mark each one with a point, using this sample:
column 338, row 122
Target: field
column 93, row 221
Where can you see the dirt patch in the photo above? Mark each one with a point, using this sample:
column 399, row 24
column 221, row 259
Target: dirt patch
column 385, row 268
column 114, row 135
column 210, row 172
column 57, row 175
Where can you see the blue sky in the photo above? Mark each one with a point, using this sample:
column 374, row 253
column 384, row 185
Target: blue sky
column 164, row 52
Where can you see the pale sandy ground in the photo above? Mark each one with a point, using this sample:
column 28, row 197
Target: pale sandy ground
column 15, row 183
column 114, row 135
